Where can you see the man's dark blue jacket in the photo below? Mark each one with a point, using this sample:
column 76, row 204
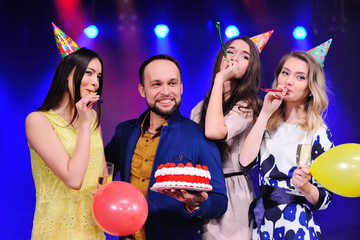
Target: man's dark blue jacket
column 182, row 140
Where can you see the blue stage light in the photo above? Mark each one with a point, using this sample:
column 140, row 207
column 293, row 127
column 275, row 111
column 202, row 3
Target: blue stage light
column 232, row 31
column 161, row 30
column 299, row 33
column 91, row 31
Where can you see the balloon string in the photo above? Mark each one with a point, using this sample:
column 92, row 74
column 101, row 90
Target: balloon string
column 221, row 41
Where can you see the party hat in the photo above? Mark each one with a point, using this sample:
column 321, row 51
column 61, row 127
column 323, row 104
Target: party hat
column 65, row 44
column 261, row 40
column 319, row 52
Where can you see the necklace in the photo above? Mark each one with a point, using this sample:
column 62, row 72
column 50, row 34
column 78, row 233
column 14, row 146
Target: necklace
column 151, row 133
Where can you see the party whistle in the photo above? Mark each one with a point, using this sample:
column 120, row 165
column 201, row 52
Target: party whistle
column 284, row 91
column 221, row 41
column 100, row 100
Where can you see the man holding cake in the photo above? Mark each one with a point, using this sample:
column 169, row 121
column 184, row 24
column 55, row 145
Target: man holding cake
column 162, row 139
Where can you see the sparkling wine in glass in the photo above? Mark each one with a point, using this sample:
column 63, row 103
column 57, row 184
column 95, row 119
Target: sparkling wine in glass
column 303, row 154
column 105, row 179
column 107, row 175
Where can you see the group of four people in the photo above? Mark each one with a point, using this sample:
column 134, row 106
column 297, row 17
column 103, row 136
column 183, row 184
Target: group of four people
column 235, row 132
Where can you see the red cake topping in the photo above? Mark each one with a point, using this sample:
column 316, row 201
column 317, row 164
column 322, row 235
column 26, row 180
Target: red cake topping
column 189, row 164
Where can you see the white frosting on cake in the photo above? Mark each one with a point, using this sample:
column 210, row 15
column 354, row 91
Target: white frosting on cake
column 183, row 171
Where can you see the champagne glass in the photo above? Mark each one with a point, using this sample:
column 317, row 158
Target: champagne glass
column 107, row 174
column 303, row 155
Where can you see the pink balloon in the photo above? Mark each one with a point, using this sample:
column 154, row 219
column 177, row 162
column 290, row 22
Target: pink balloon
column 119, row 208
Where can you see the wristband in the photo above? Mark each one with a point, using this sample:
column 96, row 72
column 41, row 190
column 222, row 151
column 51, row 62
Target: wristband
column 191, row 210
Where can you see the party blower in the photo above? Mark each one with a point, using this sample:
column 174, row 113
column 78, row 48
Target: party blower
column 221, row 42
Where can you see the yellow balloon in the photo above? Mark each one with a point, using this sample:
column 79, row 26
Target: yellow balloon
column 338, row 169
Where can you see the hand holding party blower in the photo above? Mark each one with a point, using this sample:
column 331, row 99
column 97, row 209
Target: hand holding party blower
column 100, row 100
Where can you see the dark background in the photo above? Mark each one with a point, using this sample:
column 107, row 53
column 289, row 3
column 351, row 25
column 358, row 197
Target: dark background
column 29, row 57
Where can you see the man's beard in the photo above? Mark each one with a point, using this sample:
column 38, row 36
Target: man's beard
column 163, row 113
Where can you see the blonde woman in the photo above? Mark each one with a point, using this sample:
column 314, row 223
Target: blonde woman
column 285, row 120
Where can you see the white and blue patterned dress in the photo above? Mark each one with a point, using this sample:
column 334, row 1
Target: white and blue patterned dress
column 277, row 161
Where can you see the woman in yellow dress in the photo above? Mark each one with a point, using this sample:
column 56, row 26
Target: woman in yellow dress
column 66, row 147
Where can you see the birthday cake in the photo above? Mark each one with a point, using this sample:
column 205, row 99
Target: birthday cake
column 170, row 176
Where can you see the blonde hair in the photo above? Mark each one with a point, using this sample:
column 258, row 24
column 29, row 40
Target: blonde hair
column 317, row 100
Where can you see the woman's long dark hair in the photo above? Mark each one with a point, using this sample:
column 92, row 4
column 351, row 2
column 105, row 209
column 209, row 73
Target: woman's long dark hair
column 246, row 89
column 59, row 85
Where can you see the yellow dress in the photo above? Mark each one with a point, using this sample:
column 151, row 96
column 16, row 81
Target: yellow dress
column 62, row 212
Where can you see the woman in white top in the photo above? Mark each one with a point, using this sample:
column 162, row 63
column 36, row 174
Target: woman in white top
column 286, row 119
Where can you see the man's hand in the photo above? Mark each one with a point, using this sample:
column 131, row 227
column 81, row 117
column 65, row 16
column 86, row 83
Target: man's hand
column 192, row 199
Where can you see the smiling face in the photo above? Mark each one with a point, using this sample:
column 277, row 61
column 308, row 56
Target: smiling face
column 162, row 87
column 238, row 53
column 294, row 75
column 90, row 80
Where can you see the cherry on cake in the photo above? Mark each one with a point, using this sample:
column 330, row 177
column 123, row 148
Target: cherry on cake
column 188, row 177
